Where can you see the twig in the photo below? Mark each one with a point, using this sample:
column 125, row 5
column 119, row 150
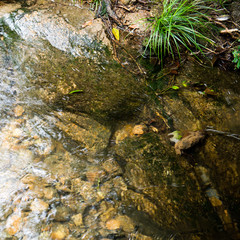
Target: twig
column 125, row 8
column 229, row 30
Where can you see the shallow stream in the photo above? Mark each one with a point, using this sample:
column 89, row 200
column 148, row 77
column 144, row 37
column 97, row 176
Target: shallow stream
column 85, row 151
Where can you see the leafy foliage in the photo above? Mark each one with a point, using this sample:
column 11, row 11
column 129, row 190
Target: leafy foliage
column 236, row 55
column 180, row 23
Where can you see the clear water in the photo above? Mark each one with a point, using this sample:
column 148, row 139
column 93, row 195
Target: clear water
column 70, row 166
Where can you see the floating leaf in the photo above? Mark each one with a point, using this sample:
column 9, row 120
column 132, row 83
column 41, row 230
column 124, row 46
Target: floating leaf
column 175, row 87
column 76, row 91
column 209, row 91
column 115, row 32
column 184, row 84
column 176, row 136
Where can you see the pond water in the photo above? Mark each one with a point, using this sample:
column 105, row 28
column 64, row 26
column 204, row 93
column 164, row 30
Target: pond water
column 97, row 163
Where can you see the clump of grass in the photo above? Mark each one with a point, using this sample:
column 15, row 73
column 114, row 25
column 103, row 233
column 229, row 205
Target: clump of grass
column 182, row 23
column 95, row 5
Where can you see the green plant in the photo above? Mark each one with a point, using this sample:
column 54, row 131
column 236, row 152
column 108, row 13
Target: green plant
column 236, row 55
column 98, row 6
column 181, row 23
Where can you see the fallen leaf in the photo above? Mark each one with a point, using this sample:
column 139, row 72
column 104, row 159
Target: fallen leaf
column 115, row 32
column 76, row 91
column 209, row 91
column 184, row 84
column 176, row 136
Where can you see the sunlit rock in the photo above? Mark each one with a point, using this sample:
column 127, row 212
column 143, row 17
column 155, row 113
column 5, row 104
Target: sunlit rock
column 95, row 174
column 49, row 193
column 126, row 223
column 29, row 178
column 59, row 232
column 13, row 224
column 113, row 224
column 39, row 205
column 77, row 219
column 61, row 213
column 18, row 111
column 139, row 129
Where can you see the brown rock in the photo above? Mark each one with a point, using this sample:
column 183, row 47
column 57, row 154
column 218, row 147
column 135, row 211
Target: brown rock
column 107, row 214
column 215, row 202
column 27, row 179
column 77, row 219
column 123, row 133
column 111, row 166
column 39, row 205
column 94, row 174
column 126, row 223
column 187, row 142
column 62, row 214
column 8, row 8
column 59, row 232
column 49, row 193
column 18, row 111
column 87, row 191
column 113, row 224
column 17, row 133
column 13, row 224
column 139, row 129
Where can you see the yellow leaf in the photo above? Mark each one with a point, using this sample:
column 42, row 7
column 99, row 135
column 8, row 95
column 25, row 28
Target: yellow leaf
column 115, row 33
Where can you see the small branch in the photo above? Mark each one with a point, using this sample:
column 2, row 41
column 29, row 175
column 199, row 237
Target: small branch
column 229, row 30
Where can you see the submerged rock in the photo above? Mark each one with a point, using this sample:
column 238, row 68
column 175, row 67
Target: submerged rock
column 61, row 214
column 84, row 129
column 139, row 129
column 187, row 142
column 59, row 232
column 13, row 224
column 77, row 219
column 39, row 205
column 113, row 224
column 18, row 111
